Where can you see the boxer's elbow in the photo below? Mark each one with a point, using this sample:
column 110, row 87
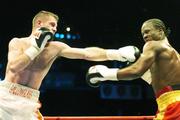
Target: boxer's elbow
column 13, row 67
column 136, row 72
column 16, row 67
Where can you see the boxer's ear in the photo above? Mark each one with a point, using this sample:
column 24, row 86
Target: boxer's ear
column 39, row 23
column 162, row 33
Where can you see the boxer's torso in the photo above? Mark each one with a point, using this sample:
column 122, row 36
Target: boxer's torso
column 166, row 68
column 34, row 73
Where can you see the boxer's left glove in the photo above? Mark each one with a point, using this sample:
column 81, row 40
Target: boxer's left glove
column 98, row 73
column 38, row 43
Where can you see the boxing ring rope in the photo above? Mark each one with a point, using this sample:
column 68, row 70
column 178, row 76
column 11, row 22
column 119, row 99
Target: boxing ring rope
column 99, row 118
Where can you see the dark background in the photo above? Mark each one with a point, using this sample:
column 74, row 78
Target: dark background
column 103, row 23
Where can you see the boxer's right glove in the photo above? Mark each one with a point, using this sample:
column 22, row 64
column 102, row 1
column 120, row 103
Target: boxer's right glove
column 98, row 73
column 124, row 54
column 38, row 43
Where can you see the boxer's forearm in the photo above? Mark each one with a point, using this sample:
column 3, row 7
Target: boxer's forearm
column 98, row 73
column 90, row 53
column 124, row 54
column 95, row 54
column 19, row 63
column 124, row 74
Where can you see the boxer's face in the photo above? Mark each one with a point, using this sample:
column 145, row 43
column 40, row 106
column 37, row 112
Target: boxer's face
column 51, row 24
column 149, row 32
column 48, row 22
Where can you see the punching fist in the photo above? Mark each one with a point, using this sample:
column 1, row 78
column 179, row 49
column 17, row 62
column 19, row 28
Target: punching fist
column 43, row 35
column 124, row 54
column 98, row 73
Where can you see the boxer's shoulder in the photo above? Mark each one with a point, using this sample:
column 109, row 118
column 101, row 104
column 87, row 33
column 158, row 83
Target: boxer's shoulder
column 57, row 44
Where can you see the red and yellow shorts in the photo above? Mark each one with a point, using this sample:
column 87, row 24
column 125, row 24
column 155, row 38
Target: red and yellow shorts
column 168, row 105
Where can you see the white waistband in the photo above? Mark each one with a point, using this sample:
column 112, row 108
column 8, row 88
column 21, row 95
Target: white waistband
column 20, row 90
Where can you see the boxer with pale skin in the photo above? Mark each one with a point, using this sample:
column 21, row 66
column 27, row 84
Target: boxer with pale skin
column 29, row 60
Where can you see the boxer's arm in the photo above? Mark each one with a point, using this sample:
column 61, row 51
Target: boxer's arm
column 137, row 69
column 97, row 74
column 91, row 53
column 100, row 54
column 17, row 60
column 41, row 37
column 144, row 62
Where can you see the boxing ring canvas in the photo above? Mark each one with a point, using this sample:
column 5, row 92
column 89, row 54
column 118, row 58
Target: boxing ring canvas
column 99, row 118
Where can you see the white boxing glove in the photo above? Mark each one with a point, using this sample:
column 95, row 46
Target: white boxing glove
column 38, row 43
column 124, row 54
column 98, row 73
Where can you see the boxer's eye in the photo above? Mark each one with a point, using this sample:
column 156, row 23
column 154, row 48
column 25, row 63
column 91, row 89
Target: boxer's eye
column 52, row 24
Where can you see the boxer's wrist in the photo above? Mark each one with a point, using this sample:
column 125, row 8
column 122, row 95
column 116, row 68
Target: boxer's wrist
column 32, row 52
column 112, row 74
column 113, row 54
